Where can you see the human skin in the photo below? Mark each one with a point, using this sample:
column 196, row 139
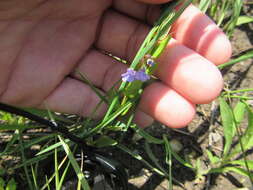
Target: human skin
column 43, row 42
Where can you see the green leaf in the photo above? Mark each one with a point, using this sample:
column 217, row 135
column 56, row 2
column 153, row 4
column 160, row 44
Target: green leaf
column 63, row 176
column 109, row 119
column 11, row 185
column 153, row 158
column 34, row 175
column 228, row 169
column 244, row 20
column 105, row 141
column 213, row 159
column 168, row 161
column 228, row 124
column 245, row 56
column 2, row 184
column 239, row 171
column 204, row 4
column 139, row 157
column 92, row 86
column 32, row 160
column 239, row 111
column 176, row 156
column 133, row 88
column 52, row 147
column 159, row 48
column 242, row 163
column 56, row 171
column 147, row 136
column 247, row 137
column 75, row 165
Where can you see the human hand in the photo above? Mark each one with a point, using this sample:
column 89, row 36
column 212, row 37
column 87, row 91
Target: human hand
column 43, row 42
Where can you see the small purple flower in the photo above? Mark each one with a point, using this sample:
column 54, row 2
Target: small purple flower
column 150, row 62
column 129, row 76
column 142, row 75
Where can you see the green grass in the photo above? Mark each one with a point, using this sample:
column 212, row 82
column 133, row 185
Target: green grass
column 235, row 112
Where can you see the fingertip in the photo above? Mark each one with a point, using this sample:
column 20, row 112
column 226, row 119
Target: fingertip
column 194, row 77
column 167, row 106
column 219, row 50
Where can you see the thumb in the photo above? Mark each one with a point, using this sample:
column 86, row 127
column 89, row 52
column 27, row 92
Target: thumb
column 154, row 1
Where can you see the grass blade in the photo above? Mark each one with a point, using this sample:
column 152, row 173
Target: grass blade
column 75, row 165
column 239, row 112
column 154, row 159
column 227, row 123
column 176, row 156
column 242, row 57
column 230, row 169
column 242, row 163
column 244, row 20
column 204, row 4
column 247, row 138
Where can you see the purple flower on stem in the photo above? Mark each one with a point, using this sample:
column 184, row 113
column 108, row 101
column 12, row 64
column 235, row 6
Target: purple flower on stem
column 142, row 75
column 129, row 76
column 150, row 62
column 132, row 75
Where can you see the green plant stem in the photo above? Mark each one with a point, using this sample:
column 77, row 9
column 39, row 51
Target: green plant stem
column 24, row 160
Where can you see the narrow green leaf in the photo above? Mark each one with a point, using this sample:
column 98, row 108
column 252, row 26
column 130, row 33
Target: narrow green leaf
column 159, row 48
column 239, row 171
column 247, row 137
column 204, row 4
column 63, row 176
column 75, row 165
column 139, row 157
column 34, row 175
column 239, row 111
column 52, row 147
column 56, row 171
column 2, row 183
column 88, row 82
column 176, row 156
column 213, row 159
column 243, row 57
column 244, row 20
column 168, row 160
column 38, row 140
column 154, row 159
column 227, row 123
column 105, row 141
column 147, row 136
column 109, row 119
column 242, row 163
column 32, row 160
column 11, row 185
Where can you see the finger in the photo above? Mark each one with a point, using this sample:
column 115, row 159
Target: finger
column 202, row 34
column 190, row 74
column 167, row 106
column 103, row 74
column 197, row 31
column 74, row 97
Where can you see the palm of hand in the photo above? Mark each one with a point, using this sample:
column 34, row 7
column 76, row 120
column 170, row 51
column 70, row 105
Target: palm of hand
column 42, row 44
